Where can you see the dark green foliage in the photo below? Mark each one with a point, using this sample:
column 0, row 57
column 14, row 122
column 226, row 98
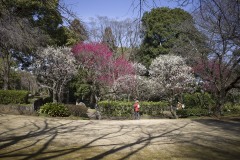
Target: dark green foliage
column 13, row 96
column 47, row 100
column 54, row 110
column 77, row 110
column 161, row 31
column 167, row 30
column 235, row 110
column 108, row 39
column 116, row 108
column 80, row 88
column 154, row 108
column 192, row 112
column 76, row 32
column 125, row 109
column 230, row 108
column 199, row 100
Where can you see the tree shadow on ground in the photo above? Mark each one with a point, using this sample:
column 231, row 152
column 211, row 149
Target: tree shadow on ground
column 230, row 125
column 13, row 143
column 43, row 135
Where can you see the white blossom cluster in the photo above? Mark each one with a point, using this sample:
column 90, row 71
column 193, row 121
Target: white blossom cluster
column 140, row 69
column 54, row 67
column 124, row 84
column 171, row 74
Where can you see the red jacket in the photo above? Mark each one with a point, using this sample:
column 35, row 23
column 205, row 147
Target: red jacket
column 136, row 107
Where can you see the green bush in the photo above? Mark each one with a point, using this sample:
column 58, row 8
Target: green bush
column 47, row 100
column 125, row 109
column 77, row 110
column 231, row 108
column 115, row 108
column 235, row 110
column 13, row 97
column 54, row 110
column 200, row 100
column 192, row 112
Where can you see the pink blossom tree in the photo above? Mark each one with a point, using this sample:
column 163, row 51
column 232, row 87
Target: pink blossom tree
column 102, row 69
column 218, row 78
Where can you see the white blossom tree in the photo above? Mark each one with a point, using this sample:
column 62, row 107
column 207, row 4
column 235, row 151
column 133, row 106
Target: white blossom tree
column 124, row 85
column 140, row 69
column 170, row 76
column 54, row 68
column 135, row 85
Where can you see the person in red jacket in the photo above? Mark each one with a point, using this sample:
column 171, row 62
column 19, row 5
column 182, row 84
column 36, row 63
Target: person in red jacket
column 136, row 108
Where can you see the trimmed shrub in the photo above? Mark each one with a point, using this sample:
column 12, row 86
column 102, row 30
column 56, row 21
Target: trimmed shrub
column 77, row 110
column 231, row 108
column 115, row 108
column 235, row 110
column 13, row 97
column 125, row 109
column 192, row 112
column 200, row 100
column 54, row 110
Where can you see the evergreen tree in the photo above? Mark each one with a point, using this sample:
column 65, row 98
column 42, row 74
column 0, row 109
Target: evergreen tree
column 109, row 39
column 164, row 29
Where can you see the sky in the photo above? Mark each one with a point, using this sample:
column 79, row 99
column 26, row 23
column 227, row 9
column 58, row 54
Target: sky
column 116, row 9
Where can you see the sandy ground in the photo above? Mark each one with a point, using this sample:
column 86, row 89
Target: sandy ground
column 115, row 136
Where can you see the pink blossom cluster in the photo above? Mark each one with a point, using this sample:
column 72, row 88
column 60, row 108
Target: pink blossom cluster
column 212, row 73
column 98, row 59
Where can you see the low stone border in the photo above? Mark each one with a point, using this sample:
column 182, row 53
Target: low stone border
column 17, row 109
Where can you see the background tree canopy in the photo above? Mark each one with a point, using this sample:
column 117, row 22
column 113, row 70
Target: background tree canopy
column 161, row 31
column 26, row 25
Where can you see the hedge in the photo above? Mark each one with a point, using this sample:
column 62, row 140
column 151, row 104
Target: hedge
column 200, row 100
column 192, row 112
column 13, row 96
column 125, row 109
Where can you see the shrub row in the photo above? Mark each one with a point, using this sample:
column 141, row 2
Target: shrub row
column 13, row 97
column 192, row 112
column 200, row 100
column 61, row 110
column 125, row 109
column 231, row 108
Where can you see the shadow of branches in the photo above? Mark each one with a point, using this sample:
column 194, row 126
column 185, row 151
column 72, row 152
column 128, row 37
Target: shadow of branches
column 46, row 138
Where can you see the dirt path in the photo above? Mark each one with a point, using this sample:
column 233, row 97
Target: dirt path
column 27, row 137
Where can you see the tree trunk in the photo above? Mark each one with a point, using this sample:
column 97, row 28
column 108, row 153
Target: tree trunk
column 129, row 95
column 59, row 94
column 5, row 78
column 6, row 71
column 172, row 109
column 220, row 102
column 55, row 94
column 61, row 89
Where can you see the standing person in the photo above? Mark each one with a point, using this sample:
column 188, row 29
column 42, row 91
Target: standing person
column 136, row 108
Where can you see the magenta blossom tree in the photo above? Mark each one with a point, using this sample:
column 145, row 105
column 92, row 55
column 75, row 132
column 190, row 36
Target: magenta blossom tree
column 102, row 69
column 218, row 78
